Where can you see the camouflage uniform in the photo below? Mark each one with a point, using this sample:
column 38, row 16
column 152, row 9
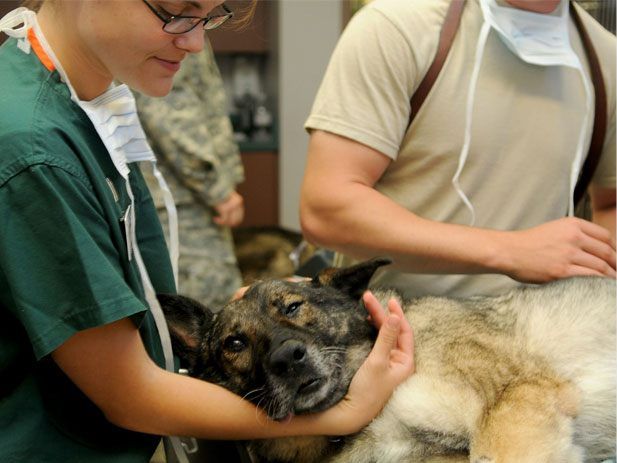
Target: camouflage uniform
column 191, row 134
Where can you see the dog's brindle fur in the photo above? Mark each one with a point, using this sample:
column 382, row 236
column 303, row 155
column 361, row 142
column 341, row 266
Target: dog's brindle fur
column 524, row 377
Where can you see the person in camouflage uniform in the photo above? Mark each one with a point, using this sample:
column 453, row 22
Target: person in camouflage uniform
column 191, row 134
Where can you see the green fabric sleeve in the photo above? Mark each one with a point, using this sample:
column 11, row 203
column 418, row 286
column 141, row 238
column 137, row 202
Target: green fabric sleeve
column 60, row 264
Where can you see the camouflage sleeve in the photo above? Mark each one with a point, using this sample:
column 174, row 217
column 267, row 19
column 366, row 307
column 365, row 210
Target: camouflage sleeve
column 191, row 133
column 212, row 90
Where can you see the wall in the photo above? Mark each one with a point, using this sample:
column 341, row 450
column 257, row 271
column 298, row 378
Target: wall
column 308, row 31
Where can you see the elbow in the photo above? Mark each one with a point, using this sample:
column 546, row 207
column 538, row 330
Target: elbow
column 317, row 225
column 120, row 418
column 124, row 414
column 311, row 229
column 135, row 407
column 130, row 417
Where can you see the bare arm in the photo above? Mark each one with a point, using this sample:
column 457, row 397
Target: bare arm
column 110, row 365
column 341, row 210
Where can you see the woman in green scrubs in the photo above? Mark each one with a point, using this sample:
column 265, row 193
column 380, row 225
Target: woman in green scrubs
column 82, row 373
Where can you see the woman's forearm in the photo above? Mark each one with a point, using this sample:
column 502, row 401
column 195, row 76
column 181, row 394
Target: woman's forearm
column 136, row 394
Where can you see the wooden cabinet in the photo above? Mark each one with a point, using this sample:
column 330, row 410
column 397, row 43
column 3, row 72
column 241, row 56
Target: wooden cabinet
column 256, row 41
column 260, row 188
column 254, row 37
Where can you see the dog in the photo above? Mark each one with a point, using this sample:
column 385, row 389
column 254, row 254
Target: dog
column 266, row 252
column 526, row 377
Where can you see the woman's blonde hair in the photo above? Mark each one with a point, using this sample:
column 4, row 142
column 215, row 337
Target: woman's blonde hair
column 243, row 16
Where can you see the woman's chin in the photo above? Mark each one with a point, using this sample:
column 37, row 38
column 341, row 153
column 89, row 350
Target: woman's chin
column 155, row 87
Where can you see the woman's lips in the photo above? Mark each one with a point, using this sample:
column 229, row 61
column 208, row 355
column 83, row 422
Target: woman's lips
column 172, row 66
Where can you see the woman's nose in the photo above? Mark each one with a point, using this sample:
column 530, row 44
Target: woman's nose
column 192, row 41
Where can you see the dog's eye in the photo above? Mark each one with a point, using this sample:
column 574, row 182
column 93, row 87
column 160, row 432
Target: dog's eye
column 290, row 309
column 234, row 344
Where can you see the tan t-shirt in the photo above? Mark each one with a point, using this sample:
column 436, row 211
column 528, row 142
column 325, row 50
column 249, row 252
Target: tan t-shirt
column 525, row 126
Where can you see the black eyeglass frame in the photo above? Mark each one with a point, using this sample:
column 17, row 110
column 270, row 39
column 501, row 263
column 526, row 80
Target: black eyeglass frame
column 167, row 20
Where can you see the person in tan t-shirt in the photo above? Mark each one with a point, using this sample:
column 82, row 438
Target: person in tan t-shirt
column 473, row 197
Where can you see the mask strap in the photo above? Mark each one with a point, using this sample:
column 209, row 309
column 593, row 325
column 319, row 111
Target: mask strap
column 580, row 148
column 9, row 23
column 150, row 294
column 50, row 53
column 468, row 119
column 173, row 443
column 172, row 217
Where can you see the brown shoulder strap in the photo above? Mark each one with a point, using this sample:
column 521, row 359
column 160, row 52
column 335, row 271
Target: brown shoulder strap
column 448, row 31
column 599, row 123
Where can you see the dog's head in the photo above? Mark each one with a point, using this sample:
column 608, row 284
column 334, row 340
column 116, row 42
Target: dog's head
column 288, row 347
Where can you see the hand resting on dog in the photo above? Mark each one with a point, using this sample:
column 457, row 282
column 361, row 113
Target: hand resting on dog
column 390, row 361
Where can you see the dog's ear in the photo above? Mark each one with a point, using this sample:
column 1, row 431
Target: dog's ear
column 351, row 280
column 188, row 322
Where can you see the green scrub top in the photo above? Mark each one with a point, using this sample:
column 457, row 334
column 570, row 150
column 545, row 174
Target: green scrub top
column 64, row 267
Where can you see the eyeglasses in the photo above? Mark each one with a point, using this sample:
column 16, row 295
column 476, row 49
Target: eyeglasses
column 183, row 24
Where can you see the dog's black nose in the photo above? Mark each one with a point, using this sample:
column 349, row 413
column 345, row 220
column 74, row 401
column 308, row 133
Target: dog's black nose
column 289, row 357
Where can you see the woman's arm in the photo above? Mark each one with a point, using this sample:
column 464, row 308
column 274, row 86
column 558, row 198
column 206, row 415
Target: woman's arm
column 341, row 210
column 111, row 366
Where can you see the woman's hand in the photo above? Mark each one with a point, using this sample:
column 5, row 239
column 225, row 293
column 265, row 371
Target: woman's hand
column 390, row 362
column 230, row 212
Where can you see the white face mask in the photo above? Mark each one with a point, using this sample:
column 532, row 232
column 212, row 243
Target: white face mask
column 538, row 39
column 114, row 116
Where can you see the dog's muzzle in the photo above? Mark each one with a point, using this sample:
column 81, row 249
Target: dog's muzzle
column 289, row 357
column 289, row 361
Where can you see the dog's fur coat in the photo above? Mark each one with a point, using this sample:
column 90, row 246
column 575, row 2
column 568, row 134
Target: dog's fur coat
column 528, row 377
